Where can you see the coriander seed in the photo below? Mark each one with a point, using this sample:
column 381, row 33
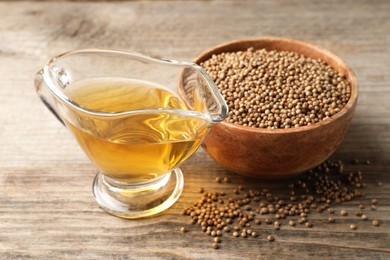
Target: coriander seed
column 270, row 238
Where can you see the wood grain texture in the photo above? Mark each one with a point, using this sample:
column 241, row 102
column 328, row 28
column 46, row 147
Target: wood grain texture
column 47, row 210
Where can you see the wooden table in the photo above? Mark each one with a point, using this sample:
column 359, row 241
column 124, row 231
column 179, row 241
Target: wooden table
column 47, row 210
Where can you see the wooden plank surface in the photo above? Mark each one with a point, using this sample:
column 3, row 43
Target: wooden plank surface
column 47, row 210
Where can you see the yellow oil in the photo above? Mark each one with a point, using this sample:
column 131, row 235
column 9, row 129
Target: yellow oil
column 133, row 147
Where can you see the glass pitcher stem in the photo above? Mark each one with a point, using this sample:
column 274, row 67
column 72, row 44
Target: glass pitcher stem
column 141, row 200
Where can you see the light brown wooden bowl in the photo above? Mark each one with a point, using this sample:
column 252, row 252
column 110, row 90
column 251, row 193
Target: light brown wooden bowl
column 275, row 153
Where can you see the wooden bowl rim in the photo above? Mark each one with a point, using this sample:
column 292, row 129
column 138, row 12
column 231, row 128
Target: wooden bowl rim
column 350, row 75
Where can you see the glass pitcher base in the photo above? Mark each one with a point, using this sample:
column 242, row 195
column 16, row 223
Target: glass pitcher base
column 140, row 200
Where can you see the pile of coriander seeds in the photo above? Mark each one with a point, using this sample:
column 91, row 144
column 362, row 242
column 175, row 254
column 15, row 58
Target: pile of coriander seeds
column 254, row 213
column 277, row 89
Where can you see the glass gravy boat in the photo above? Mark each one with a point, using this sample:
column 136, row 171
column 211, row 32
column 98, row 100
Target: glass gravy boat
column 136, row 117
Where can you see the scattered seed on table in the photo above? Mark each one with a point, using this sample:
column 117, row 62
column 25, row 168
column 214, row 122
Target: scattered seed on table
column 254, row 234
column 218, row 179
column 215, row 245
column 364, row 217
column 243, row 234
column 380, row 183
column 214, row 218
column 353, row 226
column 226, row 179
column 367, row 162
column 270, row 238
column 331, row 220
column 183, row 229
column 343, row 213
column 201, row 190
column 217, row 240
column 291, row 223
column 373, row 207
column 375, row 222
column 359, row 213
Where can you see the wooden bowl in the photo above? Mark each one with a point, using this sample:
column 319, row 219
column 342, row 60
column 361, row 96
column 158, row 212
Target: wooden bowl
column 275, row 153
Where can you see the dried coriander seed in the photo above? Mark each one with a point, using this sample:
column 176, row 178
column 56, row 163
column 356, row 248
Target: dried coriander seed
column 353, row 226
column 216, row 214
column 277, row 89
column 364, row 217
column 183, row 229
column 226, row 180
column 270, row 238
column 343, row 213
column 217, row 240
column 331, row 220
column 215, row 245
column 375, row 222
